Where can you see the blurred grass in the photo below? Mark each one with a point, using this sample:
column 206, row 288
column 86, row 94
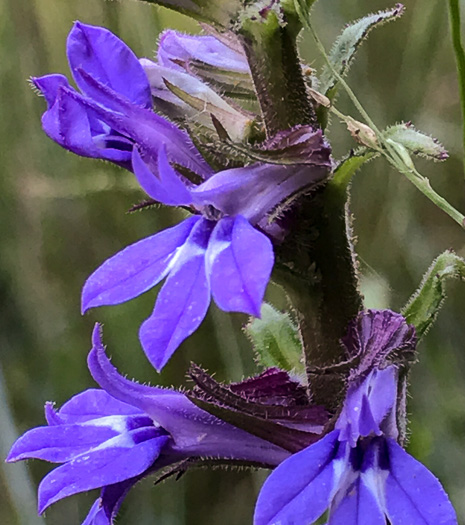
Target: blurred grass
column 61, row 216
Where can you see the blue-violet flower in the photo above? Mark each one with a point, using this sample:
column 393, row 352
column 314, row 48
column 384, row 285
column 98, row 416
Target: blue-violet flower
column 112, row 437
column 359, row 472
column 219, row 252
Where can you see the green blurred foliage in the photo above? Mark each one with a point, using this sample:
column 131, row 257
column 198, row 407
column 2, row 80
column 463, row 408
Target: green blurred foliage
column 61, row 216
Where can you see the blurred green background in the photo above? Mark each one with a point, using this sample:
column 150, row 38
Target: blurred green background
column 61, row 216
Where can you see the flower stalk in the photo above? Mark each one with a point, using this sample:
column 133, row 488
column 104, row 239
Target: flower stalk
column 270, row 46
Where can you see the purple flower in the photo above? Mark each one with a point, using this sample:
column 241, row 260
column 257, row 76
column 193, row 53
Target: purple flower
column 113, row 110
column 177, row 50
column 113, row 437
column 218, row 252
column 358, row 472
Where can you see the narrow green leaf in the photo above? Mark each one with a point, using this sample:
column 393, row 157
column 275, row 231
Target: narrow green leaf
column 422, row 308
column 415, row 141
column 276, row 339
column 347, row 44
column 349, row 166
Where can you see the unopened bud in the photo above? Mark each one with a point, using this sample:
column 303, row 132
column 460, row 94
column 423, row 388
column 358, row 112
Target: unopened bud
column 362, row 133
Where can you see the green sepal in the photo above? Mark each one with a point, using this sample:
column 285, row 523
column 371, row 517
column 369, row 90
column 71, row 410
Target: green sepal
column 349, row 165
column 347, row 44
column 237, row 123
column 232, row 84
column 415, row 141
column 276, row 340
column 423, row 307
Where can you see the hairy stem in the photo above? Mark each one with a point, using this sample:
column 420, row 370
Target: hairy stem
column 272, row 55
column 319, row 272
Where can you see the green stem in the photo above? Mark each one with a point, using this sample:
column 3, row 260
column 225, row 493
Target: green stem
column 454, row 15
column 276, row 72
column 401, row 162
column 319, row 273
column 399, row 157
column 423, row 184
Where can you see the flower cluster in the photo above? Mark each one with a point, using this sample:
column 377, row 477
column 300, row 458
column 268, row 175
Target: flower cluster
column 178, row 126
column 113, row 437
column 223, row 250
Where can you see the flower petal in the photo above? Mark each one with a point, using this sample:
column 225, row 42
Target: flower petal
column 194, row 432
column 122, row 458
column 367, row 405
column 90, row 404
column 166, row 185
column 105, row 508
column 108, row 59
column 239, row 263
column 144, row 127
column 97, row 515
column 374, row 334
column 59, row 443
column 196, row 100
column 413, row 494
column 299, row 490
column 49, row 85
column 174, row 46
column 72, row 125
column 137, row 268
column 255, row 190
column 357, row 507
column 182, row 302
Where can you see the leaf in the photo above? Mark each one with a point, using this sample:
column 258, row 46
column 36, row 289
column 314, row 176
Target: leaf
column 422, row 308
column 415, row 141
column 347, row 44
column 276, row 339
column 348, row 166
